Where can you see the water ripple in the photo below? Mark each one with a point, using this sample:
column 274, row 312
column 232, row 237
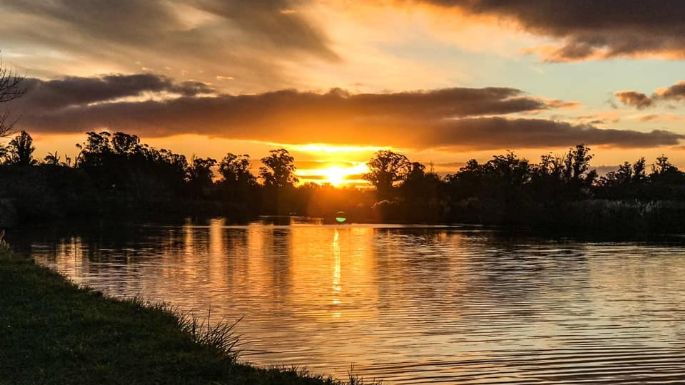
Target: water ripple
column 409, row 305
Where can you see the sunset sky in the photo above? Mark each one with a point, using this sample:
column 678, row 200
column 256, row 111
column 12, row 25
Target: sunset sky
column 333, row 81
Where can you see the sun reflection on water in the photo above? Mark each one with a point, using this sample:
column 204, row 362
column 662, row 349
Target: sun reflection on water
column 407, row 304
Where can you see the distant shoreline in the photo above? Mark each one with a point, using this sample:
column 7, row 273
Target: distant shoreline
column 593, row 218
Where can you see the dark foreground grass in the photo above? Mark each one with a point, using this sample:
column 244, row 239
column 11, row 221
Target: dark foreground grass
column 53, row 332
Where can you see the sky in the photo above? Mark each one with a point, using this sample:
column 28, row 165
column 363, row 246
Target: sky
column 442, row 81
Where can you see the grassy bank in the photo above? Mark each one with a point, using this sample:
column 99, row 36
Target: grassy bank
column 53, row 332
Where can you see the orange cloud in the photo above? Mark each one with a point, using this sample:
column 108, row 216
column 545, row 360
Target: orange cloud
column 676, row 92
column 451, row 117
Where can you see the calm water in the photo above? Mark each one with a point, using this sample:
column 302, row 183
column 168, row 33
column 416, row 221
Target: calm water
column 406, row 304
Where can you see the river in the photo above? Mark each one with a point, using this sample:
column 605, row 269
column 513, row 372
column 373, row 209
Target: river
column 405, row 304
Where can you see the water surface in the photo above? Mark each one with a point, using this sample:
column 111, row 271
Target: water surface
column 408, row 305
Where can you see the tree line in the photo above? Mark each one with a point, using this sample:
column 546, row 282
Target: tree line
column 558, row 193
column 115, row 174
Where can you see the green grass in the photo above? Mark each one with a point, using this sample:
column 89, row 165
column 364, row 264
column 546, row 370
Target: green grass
column 53, row 332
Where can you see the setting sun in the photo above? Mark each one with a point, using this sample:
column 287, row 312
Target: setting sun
column 335, row 174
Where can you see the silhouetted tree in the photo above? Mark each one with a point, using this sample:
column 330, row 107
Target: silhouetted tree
column 239, row 186
column 52, row 159
column 278, row 170
column 577, row 163
column 548, row 179
column 94, row 151
column 666, row 182
column 466, row 182
column 235, row 169
column 278, row 176
column 551, row 166
column 665, row 173
column 577, row 173
column 663, row 166
column 622, row 176
column 508, row 189
column 416, row 171
column 124, row 169
column 420, row 193
column 200, row 176
column 508, row 170
column 556, row 179
column 125, row 144
column 639, row 170
column 20, row 150
column 386, row 169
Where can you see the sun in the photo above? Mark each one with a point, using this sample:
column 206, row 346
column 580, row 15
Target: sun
column 335, row 175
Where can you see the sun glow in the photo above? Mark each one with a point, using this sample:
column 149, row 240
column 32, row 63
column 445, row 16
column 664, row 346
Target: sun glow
column 335, row 174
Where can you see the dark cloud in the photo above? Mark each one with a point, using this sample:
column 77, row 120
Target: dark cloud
column 441, row 103
column 246, row 40
column 452, row 117
column 675, row 92
column 74, row 91
column 78, row 92
column 588, row 28
column 634, row 99
column 500, row 132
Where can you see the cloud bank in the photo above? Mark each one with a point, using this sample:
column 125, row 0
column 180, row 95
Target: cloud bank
column 75, row 91
column 591, row 28
column 153, row 105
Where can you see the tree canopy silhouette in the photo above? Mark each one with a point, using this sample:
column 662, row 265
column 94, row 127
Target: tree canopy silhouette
column 278, row 170
column 386, row 169
column 117, row 174
column 20, row 150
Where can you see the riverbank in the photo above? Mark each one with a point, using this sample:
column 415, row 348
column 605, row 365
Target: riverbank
column 53, row 332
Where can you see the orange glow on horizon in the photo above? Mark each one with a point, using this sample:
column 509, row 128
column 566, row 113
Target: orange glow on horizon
column 344, row 165
column 335, row 174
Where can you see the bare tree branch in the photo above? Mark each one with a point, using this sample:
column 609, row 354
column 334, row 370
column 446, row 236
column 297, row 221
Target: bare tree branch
column 10, row 89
